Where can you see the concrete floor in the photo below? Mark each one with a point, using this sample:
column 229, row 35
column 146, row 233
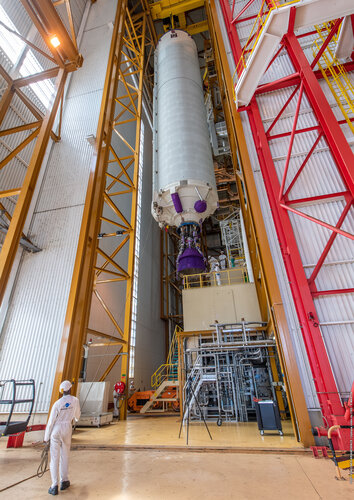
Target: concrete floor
column 164, row 430
column 142, row 475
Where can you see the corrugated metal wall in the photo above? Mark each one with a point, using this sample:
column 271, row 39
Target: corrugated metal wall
column 32, row 332
column 320, row 176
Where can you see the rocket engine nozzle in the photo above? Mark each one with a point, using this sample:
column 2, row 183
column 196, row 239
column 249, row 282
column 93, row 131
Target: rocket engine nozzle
column 190, row 259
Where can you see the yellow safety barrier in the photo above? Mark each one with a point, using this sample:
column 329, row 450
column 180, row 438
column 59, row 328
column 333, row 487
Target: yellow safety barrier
column 216, row 278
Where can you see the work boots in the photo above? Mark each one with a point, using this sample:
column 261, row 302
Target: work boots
column 64, row 485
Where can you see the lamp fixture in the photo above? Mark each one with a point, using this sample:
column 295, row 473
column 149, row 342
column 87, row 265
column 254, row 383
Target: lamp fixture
column 55, row 41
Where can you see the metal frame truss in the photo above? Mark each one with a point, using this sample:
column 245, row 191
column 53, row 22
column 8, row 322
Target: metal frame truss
column 113, row 185
column 36, row 132
column 304, row 290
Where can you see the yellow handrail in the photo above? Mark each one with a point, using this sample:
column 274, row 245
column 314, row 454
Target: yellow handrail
column 229, row 276
column 256, row 32
column 168, row 370
column 334, row 73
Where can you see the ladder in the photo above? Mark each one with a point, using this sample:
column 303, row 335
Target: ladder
column 195, row 380
column 231, row 235
column 334, row 72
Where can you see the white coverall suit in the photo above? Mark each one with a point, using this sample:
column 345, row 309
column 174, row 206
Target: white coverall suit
column 215, row 268
column 58, row 431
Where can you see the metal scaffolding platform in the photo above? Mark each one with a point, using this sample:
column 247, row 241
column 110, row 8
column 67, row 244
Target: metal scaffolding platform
column 226, row 371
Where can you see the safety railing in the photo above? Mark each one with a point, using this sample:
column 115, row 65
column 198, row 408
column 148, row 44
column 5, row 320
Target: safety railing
column 216, row 278
column 260, row 20
column 334, row 72
column 169, row 370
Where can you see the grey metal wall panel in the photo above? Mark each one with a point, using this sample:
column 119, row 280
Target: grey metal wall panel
column 67, row 174
column 150, row 330
column 36, row 315
column 16, row 12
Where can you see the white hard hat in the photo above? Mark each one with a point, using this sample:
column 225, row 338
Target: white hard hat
column 65, row 386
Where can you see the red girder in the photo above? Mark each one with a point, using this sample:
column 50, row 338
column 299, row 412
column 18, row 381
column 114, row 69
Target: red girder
column 292, row 137
column 336, row 140
column 303, row 290
column 296, row 176
column 333, row 292
column 318, row 359
column 242, row 11
column 311, row 199
column 318, row 221
column 327, row 248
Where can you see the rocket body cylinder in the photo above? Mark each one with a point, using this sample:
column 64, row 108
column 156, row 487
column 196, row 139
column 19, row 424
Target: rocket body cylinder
column 184, row 188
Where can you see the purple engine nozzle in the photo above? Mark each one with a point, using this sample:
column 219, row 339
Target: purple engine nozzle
column 191, row 262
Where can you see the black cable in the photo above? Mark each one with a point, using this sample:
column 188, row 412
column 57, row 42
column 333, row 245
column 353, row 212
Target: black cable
column 43, row 464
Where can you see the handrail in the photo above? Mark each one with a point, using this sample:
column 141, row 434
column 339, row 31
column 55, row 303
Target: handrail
column 256, row 32
column 228, row 276
column 168, row 370
column 164, row 372
column 334, row 72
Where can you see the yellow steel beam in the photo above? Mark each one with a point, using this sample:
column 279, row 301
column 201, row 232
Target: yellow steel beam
column 131, row 258
column 10, row 192
column 19, row 148
column 80, row 297
column 258, row 240
column 44, row 12
column 20, row 128
column 6, row 101
column 104, row 335
column 111, row 365
column 166, row 8
column 36, row 77
column 46, row 20
column 194, row 29
column 14, row 233
column 121, row 108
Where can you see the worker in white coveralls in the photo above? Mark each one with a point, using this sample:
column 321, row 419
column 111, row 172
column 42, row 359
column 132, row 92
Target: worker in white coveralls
column 222, row 260
column 215, row 268
column 58, row 431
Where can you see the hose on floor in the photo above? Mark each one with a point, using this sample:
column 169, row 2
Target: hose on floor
column 43, row 464
column 42, row 468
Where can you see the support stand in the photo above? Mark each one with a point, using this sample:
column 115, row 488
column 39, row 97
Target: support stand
column 189, row 395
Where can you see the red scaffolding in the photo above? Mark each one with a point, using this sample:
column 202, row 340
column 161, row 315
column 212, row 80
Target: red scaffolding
column 304, row 289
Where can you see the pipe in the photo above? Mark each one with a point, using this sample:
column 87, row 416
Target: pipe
column 329, row 435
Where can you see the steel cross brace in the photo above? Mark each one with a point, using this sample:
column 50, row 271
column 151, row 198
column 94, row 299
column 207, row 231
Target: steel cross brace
column 335, row 138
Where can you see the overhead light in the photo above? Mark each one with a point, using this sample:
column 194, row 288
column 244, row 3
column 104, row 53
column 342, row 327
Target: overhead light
column 55, row 41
